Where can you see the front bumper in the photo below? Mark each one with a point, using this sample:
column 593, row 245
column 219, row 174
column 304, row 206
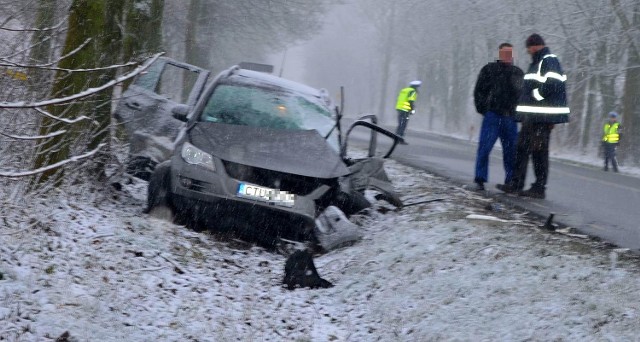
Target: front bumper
column 212, row 200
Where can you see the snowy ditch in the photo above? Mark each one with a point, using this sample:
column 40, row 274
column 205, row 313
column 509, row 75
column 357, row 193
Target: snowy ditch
column 92, row 268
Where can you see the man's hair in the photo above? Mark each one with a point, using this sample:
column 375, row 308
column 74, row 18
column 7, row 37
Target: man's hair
column 534, row 40
column 505, row 45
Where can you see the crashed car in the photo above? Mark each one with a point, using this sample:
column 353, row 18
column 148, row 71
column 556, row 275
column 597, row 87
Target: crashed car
column 256, row 155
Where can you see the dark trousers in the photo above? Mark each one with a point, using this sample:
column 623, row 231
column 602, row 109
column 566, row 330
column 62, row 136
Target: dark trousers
column 496, row 126
column 533, row 141
column 610, row 155
column 403, row 119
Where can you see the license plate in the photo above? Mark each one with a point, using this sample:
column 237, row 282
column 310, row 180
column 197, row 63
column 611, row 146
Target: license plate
column 264, row 194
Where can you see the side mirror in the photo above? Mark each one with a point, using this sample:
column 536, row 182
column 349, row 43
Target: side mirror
column 180, row 112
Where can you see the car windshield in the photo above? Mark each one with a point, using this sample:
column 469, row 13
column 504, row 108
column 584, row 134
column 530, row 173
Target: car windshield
column 267, row 107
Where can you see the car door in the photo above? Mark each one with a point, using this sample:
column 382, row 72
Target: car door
column 144, row 109
column 367, row 172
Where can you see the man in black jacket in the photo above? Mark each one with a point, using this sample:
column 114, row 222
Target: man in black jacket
column 495, row 96
column 543, row 103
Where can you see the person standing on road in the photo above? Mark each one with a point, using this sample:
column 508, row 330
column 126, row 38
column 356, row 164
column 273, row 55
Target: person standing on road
column 610, row 141
column 496, row 95
column 405, row 105
column 542, row 105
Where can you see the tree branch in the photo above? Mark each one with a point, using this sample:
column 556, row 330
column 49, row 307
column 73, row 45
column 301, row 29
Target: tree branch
column 52, row 166
column 90, row 91
column 34, row 29
column 34, row 137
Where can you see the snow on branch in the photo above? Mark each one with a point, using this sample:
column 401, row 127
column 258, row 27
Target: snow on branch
column 55, row 27
column 20, row 52
column 57, row 118
column 48, row 66
column 90, row 91
column 52, row 166
column 34, row 137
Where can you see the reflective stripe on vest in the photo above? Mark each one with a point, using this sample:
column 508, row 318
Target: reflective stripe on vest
column 537, row 76
column 611, row 134
column 543, row 79
column 543, row 110
column 406, row 95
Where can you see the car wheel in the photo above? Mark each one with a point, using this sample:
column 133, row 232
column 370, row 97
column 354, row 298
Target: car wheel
column 141, row 167
column 158, row 197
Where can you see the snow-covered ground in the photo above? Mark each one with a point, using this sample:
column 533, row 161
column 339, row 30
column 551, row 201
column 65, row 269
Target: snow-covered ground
column 91, row 265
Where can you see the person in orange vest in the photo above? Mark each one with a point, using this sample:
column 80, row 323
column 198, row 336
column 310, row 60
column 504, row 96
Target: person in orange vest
column 405, row 105
column 610, row 141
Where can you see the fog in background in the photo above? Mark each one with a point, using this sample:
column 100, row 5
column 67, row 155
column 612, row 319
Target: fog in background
column 54, row 49
column 374, row 48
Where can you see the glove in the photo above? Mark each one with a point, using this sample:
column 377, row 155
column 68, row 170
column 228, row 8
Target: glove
column 413, row 111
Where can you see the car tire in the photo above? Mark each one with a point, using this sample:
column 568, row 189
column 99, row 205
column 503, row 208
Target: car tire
column 141, row 167
column 158, row 197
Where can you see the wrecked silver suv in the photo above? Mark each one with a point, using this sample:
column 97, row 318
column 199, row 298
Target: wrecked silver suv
column 256, row 155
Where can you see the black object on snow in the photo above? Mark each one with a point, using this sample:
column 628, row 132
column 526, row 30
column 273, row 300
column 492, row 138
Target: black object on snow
column 299, row 271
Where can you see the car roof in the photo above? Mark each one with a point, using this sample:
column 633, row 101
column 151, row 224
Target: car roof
column 250, row 76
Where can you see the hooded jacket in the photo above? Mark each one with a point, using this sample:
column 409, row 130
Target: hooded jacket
column 544, row 96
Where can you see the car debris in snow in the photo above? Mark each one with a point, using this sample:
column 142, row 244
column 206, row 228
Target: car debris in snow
column 300, row 271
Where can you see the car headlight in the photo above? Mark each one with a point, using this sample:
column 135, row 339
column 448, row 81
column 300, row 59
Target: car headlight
column 195, row 156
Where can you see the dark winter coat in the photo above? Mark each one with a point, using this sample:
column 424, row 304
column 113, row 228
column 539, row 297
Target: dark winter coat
column 544, row 96
column 498, row 88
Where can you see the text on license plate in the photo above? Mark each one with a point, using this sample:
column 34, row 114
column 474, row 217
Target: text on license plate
column 266, row 194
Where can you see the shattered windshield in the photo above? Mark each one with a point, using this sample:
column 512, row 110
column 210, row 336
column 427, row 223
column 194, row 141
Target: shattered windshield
column 266, row 107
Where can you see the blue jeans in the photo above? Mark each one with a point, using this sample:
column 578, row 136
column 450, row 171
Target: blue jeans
column 496, row 126
column 403, row 119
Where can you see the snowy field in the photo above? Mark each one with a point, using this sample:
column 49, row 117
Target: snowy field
column 92, row 268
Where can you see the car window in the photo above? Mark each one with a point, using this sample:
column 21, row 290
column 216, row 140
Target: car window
column 266, row 107
column 168, row 80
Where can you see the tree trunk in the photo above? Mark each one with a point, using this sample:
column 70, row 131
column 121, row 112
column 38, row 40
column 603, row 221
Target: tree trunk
column 630, row 99
column 41, row 42
column 143, row 33
column 387, row 50
column 631, row 111
column 143, row 29
column 109, row 47
column 195, row 54
column 86, row 21
column 578, row 98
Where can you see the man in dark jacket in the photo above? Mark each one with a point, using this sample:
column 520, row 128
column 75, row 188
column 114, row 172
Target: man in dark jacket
column 543, row 103
column 496, row 94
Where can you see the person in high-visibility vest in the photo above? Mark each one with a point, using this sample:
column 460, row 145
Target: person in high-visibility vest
column 543, row 104
column 405, row 105
column 610, row 141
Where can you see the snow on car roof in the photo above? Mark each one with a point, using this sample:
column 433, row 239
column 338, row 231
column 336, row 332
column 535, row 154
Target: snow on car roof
column 261, row 77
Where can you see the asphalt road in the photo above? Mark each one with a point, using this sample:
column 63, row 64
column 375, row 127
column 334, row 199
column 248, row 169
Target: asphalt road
column 597, row 203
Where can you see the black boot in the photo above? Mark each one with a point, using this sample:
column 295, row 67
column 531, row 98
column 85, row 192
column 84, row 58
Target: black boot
column 508, row 188
column 533, row 192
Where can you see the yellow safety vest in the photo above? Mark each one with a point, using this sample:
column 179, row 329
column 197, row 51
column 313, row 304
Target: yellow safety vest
column 406, row 96
column 611, row 134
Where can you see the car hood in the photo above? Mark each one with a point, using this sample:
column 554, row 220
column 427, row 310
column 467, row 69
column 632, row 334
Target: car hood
column 299, row 152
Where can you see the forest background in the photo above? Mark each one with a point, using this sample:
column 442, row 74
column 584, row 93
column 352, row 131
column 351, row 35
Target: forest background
column 63, row 63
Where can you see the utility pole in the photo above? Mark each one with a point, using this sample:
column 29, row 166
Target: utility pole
column 284, row 58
